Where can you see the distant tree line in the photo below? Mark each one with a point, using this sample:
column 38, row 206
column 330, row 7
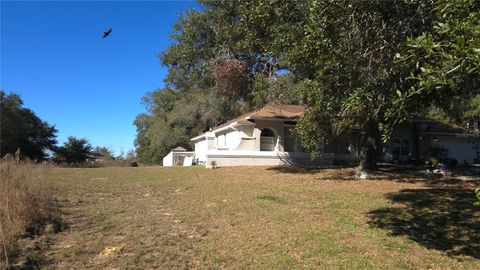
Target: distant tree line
column 23, row 131
column 370, row 63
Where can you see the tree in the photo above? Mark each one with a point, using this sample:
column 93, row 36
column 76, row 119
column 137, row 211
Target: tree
column 107, row 152
column 343, row 54
column 354, row 63
column 168, row 124
column 21, row 128
column 211, row 78
column 131, row 154
column 73, row 151
column 445, row 65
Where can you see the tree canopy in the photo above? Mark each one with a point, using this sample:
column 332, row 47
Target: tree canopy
column 107, row 152
column 365, row 64
column 74, row 151
column 22, row 128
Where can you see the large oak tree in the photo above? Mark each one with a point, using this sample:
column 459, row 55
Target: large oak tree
column 21, row 128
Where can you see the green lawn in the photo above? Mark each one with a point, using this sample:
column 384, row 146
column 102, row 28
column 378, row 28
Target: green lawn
column 262, row 218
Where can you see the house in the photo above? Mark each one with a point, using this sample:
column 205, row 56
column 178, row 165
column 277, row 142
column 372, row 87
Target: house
column 95, row 156
column 261, row 137
column 176, row 156
column 266, row 137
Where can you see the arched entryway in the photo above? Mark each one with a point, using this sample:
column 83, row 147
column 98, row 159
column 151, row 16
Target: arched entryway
column 267, row 140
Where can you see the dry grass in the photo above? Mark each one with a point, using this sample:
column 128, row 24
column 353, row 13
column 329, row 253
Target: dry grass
column 26, row 205
column 98, row 164
column 263, row 218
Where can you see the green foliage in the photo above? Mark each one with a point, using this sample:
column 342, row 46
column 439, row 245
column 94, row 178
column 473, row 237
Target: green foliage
column 444, row 65
column 107, row 152
column 212, row 78
column 477, row 194
column 173, row 118
column 21, row 128
column 363, row 64
column 343, row 51
column 281, row 90
column 73, row 151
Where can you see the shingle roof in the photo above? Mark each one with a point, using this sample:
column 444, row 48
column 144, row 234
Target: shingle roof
column 270, row 111
column 95, row 154
column 437, row 127
column 179, row 149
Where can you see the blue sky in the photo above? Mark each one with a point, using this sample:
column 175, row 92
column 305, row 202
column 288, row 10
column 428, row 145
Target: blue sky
column 53, row 56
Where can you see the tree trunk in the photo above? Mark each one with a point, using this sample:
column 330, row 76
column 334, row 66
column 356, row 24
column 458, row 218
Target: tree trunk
column 368, row 146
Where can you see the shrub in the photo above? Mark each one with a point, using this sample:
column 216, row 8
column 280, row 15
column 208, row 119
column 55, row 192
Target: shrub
column 213, row 164
column 26, row 203
column 451, row 163
column 433, row 161
column 437, row 153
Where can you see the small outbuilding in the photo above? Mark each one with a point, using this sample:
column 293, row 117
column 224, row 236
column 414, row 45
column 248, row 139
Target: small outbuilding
column 176, row 157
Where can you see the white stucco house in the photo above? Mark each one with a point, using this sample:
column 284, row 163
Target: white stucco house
column 261, row 137
column 265, row 137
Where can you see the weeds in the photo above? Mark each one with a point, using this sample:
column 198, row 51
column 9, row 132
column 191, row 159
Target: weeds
column 26, row 204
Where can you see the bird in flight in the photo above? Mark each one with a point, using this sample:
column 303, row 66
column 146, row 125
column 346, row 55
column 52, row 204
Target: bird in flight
column 107, row 33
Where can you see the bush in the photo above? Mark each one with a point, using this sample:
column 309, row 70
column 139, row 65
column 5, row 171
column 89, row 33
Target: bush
column 26, row 203
column 451, row 163
column 433, row 161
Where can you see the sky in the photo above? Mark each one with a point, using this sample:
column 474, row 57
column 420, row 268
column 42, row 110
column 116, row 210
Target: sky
column 53, row 56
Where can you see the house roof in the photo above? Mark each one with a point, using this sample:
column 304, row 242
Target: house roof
column 293, row 112
column 281, row 111
column 434, row 127
column 95, row 154
column 270, row 111
column 179, row 149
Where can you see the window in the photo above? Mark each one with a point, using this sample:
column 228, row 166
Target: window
column 405, row 149
column 396, row 147
column 291, row 142
column 221, row 141
column 267, row 140
column 401, row 147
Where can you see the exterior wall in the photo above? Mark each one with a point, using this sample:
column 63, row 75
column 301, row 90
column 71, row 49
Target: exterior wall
column 247, row 137
column 202, row 145
column 266, row 158
column 460, row 148
column 242, row 146
column 392, row 151
column 345, row 148
column 201, row 148
column 276, row 126
column 168, row 160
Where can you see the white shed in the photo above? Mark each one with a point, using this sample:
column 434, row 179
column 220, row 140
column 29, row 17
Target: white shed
column 176, row 157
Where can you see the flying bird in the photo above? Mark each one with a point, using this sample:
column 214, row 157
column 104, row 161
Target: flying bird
column 107, row 33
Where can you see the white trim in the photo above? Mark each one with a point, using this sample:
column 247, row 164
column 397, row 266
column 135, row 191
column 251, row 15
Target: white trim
column 204, row 136
column 215, row 131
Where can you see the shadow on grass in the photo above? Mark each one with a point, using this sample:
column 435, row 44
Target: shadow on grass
column 439, row 217
column 302, row 169
column 389, row 172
